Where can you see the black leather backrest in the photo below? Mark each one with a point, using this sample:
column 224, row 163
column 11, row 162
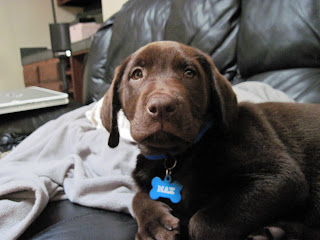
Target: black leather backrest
column 138, row 23
column 210, row 25
column 256, row 37
column 278, row 35
column 94, row 72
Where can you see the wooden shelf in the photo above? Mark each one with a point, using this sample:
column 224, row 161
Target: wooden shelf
column 75, row 3
column 46, row 74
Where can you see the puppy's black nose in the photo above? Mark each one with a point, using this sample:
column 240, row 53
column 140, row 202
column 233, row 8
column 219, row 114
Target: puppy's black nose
column 161, row 107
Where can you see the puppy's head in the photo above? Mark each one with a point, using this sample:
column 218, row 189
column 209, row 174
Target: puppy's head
column 169, row 92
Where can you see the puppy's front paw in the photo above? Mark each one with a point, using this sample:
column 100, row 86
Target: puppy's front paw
column 269, row 233
column 164, row 227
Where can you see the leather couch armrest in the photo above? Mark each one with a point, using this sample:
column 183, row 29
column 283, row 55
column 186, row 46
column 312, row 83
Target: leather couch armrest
column 26, row 122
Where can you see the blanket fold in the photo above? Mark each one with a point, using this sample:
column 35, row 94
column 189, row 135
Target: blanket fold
column 22, row 199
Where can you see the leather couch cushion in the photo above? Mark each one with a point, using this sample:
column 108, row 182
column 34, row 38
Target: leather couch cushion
column 64, row 220
column 278, row 35
column 210, row 25
column 300, row 84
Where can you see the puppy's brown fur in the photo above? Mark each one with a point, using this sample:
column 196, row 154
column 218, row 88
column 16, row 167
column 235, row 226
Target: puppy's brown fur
column 258, row 165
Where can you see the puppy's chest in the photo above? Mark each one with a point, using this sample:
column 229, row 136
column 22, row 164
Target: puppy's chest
column 199, row 185
column 200, row 181
column 168, row 192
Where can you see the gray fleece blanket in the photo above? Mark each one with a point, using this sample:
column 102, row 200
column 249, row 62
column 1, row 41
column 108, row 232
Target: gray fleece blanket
column 68, row 158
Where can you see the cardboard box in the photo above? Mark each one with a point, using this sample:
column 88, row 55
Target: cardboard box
column 80, row 31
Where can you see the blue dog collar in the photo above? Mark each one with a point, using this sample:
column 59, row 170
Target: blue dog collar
column 164, row 156
column 155, row 157
column 203, row 131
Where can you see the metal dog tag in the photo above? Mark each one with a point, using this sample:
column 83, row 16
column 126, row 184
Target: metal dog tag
column 166, row 189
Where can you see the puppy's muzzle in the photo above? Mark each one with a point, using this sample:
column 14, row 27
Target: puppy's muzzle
column 161, row 108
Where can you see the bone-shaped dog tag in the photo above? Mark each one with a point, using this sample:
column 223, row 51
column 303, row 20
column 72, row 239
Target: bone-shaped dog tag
column 166, row 189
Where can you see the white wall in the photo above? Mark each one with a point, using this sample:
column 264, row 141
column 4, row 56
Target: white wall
column 25, row 23
column 109, row 7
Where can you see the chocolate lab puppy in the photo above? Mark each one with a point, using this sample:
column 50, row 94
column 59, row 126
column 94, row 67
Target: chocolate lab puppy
column 212, row 168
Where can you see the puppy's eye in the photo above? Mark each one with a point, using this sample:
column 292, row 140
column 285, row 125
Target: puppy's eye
column 137, row 74
column 189, row 73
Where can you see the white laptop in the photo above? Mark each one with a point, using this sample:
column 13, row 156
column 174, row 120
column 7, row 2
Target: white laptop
column 30, row 98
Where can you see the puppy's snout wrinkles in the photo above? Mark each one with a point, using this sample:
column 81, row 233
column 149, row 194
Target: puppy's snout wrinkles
column 161, row 108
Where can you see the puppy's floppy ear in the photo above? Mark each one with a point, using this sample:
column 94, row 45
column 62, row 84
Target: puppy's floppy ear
column 224, row 102
column 112, row 105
